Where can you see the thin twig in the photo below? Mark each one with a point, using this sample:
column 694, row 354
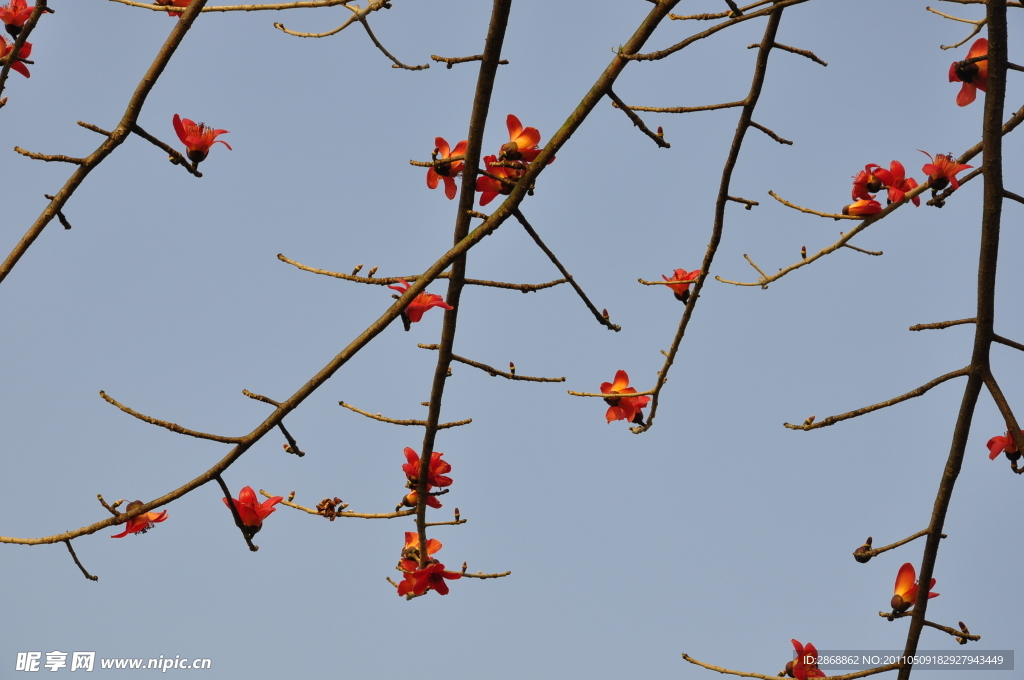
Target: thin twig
column 358, row 13
column 748, row 204
column 682, row 109
column 173, row 427
column 795, row 50
column 237, row 8
column 480, row 574
column 60, row 215
column 292, row 446
column 941, row 324
column 868, row 554
column 780, row 140
column 604, row 395
column 831, row 420
column 601, row 319
column 876, row 253
column 421, row 423
column 490, row 370
column 75, row 558
column 1013, row 196
column 397, row 63
column 451, row 61
column 90, row 126
column 945, row 629
column 359, row 515
column 659, row 139
column 176, row 155
column 802, row 209
column 977, row 28
column 49, row 158
column 389, row 280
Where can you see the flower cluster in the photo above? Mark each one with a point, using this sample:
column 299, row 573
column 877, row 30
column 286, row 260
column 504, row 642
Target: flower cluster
column 905, row 592
column 141, row 523
column 682, row 290
column 623, row 407
column 805, row 665
column 500, row 172
column 417, row 580
column 874, row 178
column 974, row 75
column 197, row 138
column 435, row 477
column 413, row 312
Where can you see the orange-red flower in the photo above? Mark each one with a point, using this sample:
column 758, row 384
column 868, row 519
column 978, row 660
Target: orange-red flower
column 490, row 187
column 420, row 304
column 943, row 170
column 682, row 290
column 865, row 181
column 14, row 15
column 897, row 182
column 1002, row 443
column 197, row 138
column 973, row 76
column 174, row 3
column 522, row 144
column 412, row 499
column 412, row 547
column 805, row 665
column 142, row 523
column 905, row 592
column 623, row 408
column 443, row 169
column 250, row 510
column 862, row 208
column 430, row 577
column 24, row 53
column 435, row 475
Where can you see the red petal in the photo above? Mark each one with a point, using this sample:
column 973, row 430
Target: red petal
column 449, row 188
column 442, row 147
column 996, row 445
column 905, row 581
column 432, row 178
column 514, row 126
column 968, row 93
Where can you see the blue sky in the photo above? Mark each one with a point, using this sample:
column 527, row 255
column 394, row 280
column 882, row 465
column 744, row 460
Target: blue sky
column 717, row 533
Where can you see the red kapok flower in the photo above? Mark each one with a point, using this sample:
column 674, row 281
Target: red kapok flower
column 411, row 499
column 174, row 3
column 522, row 144
column 420, row 304
column 412, row 543
column 805, row 665
column 897, row 182
column 430, row 577
column 623, row 408
column 973, row 76
column 1001, row 444
column 197, row 138
column 682, row 290
column 435, row 476
column 865, row 181
column 24, row 53
column 443, row 169
column 491, row 187
column 942, row 170
column 14, row 15
column 250, row 510
column 863, row 207
column 142, row 523
column 905, row 592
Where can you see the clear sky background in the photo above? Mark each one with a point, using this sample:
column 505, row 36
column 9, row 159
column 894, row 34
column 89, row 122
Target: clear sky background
column 717, row 533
